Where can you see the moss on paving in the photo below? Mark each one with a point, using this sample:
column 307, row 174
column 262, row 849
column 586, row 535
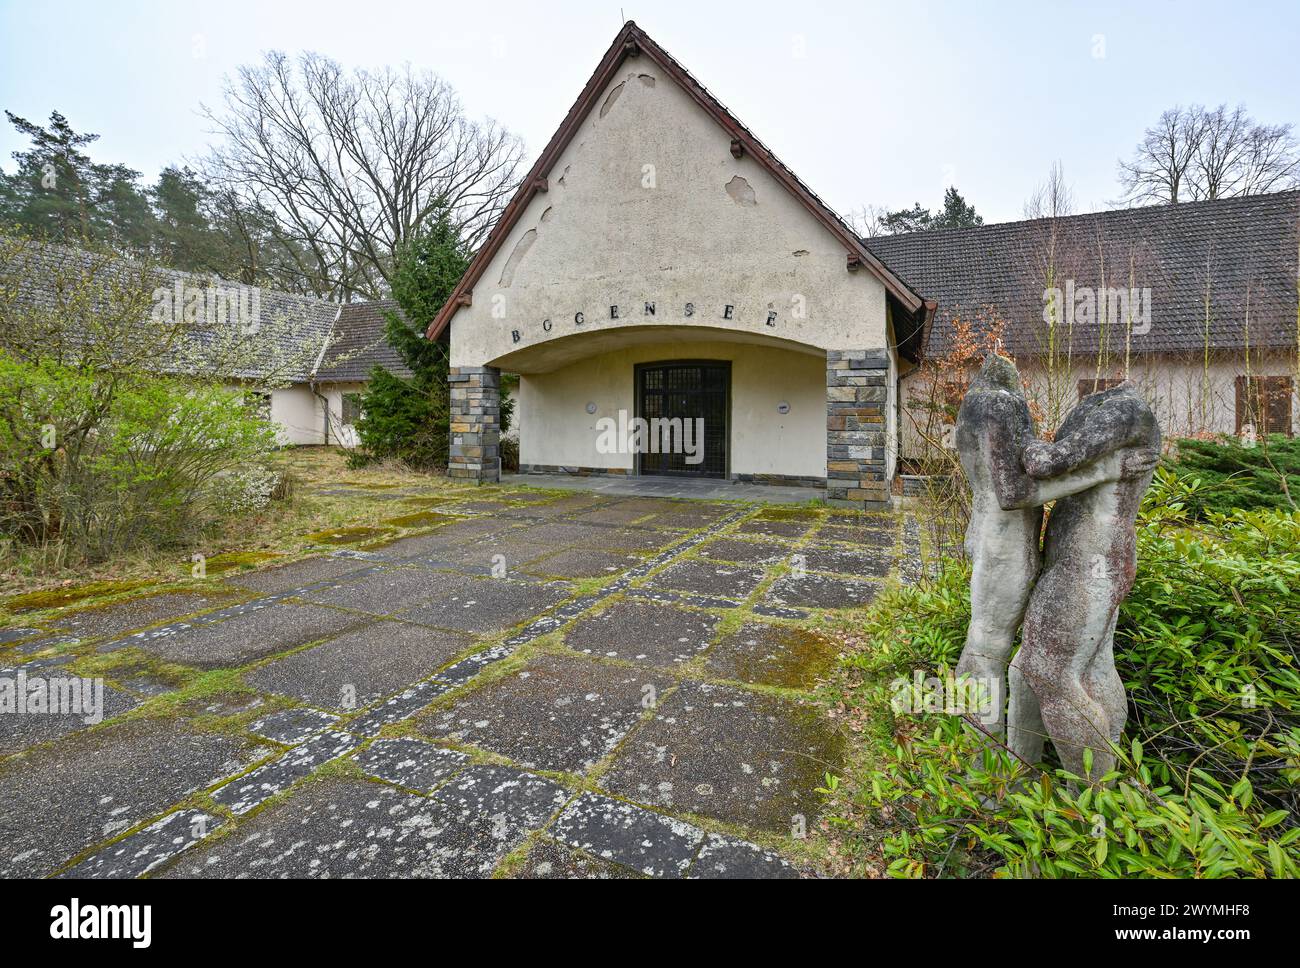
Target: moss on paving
column 421, row 519
column 346, row 536
column 68, row 595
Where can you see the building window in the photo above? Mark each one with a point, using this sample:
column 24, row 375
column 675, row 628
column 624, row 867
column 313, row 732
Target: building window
column 351, row 409
column 1264, row 403
column 1088, row 387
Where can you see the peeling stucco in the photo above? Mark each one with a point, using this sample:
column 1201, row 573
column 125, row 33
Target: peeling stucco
column 517, row 256
column 741, row 192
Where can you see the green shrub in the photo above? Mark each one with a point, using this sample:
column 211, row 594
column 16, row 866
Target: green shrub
column 1234, row 476
column 86, row 474
column 1208, row 786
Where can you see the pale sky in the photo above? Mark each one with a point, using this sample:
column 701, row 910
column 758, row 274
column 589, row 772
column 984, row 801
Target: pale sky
column 867, row 102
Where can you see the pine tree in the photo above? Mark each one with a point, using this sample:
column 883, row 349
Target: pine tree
column 956, row 213
column 58, row 193
column 409, row 419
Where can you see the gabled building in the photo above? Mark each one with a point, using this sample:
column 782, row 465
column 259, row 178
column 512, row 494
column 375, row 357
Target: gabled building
column 660, row 264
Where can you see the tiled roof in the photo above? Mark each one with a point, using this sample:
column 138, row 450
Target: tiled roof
column 299, row 324
column 1237, row 254
column 358, row 344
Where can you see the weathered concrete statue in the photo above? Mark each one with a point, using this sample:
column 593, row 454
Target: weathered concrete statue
column 1063, row 681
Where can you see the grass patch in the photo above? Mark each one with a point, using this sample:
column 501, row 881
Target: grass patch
column 59, row 597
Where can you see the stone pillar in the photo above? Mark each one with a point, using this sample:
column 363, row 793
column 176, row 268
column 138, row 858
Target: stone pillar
column 857, row 393
column 475, row 423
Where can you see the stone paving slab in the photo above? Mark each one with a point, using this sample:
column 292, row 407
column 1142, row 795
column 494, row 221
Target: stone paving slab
column 347, row 829
column 257, row 786
column 682, row 598
column 291, row 726
column 60, row 800
column 776, row 529
column 875, row 564
column 641, row 839
column 565, row 534
column 726, row 858
column 402, row 706
column 410, row 763
column 583, row 563
column 868, row 536
column 659, row 635
column 41, row 680
column 555, row 714
column 624, row 512
column 358, row 668
column 739, row 756
column 514, row 800
column 767, row 654
column 486, row 604
column 297, row 574
column 630, row 539
column 481, row 557
column 822, row 591
column 250, row 635
column 17, row 634
column 149, row 848
column 106, row 621
column 548, row 860
column 743, row 552
column 385, row 591
column 687, row 517
column 709, row 578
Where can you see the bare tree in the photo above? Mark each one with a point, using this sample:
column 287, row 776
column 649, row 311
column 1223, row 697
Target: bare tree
column 1271, row 161
column 350, row 163
column 1050, row 262
column 1201, row 153
column 867, row 220
column 1163, row 158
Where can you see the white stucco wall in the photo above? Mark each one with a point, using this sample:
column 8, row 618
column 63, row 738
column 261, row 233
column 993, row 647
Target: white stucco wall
column 1187, row 397
column 341, row 434
column 555, row 428
column 638, row 210
column 297, row 415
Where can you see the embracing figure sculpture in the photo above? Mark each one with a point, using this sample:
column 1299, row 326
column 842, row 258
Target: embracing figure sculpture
column 1063, row 681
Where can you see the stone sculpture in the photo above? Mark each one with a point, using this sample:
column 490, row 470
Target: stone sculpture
column 1063, row 680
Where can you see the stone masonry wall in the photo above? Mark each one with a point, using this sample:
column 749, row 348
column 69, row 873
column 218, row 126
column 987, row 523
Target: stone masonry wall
column 475, row 452
column 857, row 393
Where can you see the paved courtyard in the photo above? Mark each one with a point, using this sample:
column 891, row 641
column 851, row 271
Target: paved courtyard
column 535, row 684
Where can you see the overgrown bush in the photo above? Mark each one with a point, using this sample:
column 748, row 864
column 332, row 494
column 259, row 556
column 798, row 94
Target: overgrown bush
column 1208, row 780
column 84, row 478
column 1232, row 475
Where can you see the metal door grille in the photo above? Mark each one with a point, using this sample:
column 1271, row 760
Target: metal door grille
column 688, row 391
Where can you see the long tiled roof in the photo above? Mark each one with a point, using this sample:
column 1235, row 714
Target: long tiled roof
column 357, row 344
column 322, row 341
column 51, row 275
column 1239, row 255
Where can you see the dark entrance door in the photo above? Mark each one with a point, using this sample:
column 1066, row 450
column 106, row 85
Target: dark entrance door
column 687, row 390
